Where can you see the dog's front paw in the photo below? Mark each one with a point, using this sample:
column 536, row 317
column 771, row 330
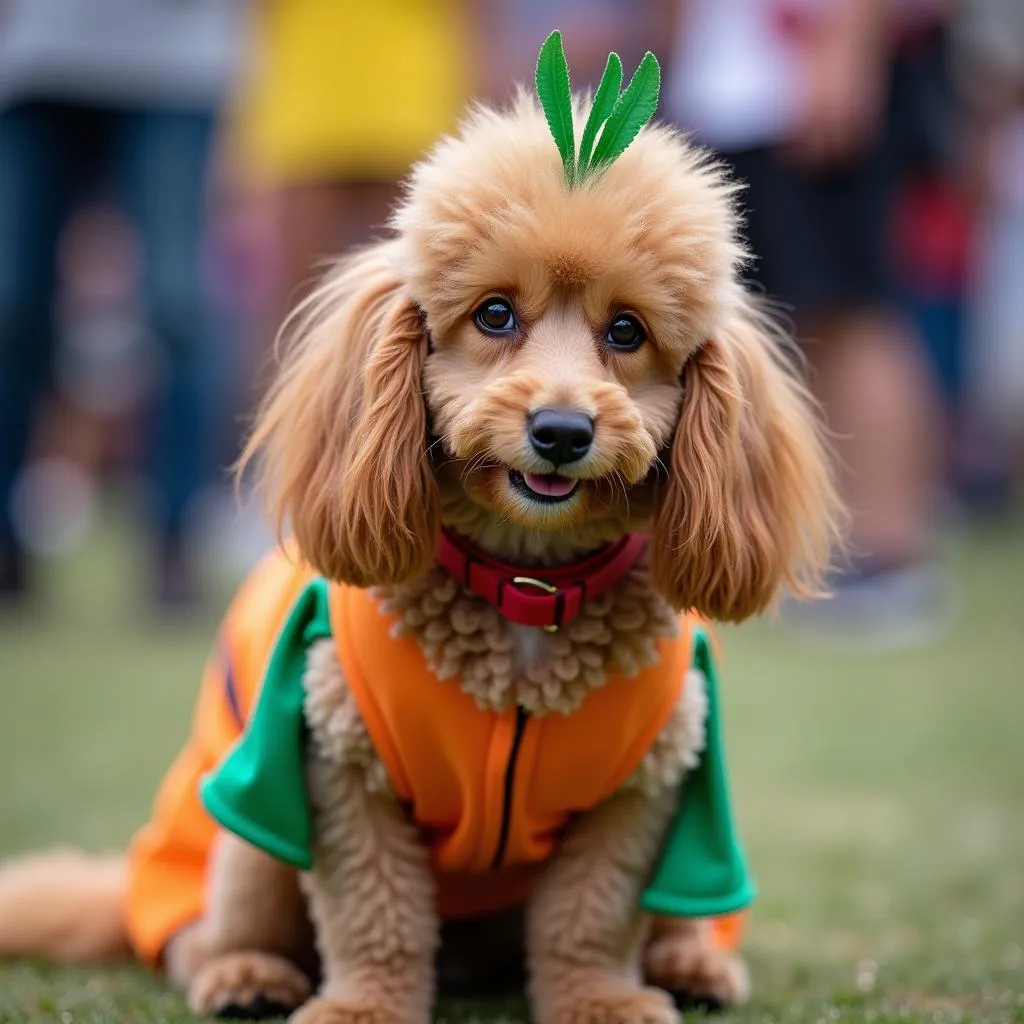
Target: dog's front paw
column 249, row 986
column 695, row 972
column 613, row 1003
column 329, row 1011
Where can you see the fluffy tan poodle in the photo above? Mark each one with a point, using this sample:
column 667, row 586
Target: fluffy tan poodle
column 522, row 447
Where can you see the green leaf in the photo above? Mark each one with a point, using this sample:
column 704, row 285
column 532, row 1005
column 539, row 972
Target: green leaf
column 556, row 98
column 600, row 110
column 633, row 109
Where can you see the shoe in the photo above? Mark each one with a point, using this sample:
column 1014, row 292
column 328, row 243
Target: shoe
column 874, row 609
column 177, row 587
column 14, row 584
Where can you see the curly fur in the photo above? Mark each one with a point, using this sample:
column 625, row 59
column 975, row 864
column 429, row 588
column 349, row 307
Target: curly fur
column 683, row 955
column 371, row 896
column 678, row 746
column 393, row 412
column 748, row 503
column 465, row 638
column 63, row 903
column 254, row 936
column 585, row 930
column 336, row 728
column 342, row 429
column 583, row 922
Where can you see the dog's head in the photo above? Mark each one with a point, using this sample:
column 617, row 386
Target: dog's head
column 545, row 368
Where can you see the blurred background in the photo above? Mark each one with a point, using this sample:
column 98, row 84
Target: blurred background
column 174, row 172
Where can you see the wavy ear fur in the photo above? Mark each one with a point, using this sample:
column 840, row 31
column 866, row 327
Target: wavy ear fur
column 750, row 503
column 342, row 434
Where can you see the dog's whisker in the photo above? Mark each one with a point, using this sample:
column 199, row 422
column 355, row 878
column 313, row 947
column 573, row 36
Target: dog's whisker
column 433, row 444
column 468, row 468
column 476, row 461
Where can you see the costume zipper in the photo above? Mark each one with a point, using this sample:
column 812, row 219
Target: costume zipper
column 522, row 717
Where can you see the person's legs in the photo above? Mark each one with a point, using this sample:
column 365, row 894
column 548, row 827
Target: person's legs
column 870, row 368
column 35, row 192
column 162, row 164
column 872, row 375
column 297, row 228
column 163, row 157
column 873, row 380
column 318, row 221
column 820, row 238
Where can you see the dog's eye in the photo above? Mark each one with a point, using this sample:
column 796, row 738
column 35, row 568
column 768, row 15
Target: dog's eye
column 495, row 316
column 626, row 333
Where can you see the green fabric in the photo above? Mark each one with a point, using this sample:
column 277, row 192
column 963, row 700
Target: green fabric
column 702, row 871
column 259, row 790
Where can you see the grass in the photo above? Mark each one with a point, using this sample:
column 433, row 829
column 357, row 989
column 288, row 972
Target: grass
column 881, row 797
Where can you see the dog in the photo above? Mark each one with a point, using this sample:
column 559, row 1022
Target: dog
column 523, row 382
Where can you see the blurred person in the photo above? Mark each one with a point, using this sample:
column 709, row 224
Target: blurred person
column 798, row 96
column 325, row 122
column 123, row 93
column 512, row 34
column 933, row 225
column 321, row 126
column 988, row 37
column 932, row 244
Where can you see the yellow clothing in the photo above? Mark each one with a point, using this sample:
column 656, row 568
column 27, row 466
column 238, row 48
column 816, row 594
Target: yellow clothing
column 349, row 89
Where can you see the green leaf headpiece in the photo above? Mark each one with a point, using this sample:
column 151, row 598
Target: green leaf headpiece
column 617, row 117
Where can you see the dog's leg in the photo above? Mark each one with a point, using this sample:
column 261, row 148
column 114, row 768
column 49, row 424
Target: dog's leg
column 684, row 958
column 240, row 959
column 585, row 929
column 371, row 897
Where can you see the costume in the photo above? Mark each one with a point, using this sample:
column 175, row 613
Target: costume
column 491, row 790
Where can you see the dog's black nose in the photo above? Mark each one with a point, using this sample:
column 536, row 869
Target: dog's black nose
column 561, row 435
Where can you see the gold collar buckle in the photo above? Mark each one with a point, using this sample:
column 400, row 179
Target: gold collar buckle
column 547, row 588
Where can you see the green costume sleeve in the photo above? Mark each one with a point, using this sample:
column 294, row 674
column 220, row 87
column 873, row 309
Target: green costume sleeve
column 702, row 871
column 259, row 790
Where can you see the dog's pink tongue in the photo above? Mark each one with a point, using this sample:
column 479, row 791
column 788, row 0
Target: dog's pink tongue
column 550, row 486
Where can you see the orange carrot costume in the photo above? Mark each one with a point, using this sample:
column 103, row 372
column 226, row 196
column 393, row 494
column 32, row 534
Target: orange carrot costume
column 490, row 790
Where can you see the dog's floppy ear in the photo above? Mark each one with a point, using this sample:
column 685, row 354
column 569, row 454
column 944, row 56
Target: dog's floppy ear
column 342, row 433
column 750, row 503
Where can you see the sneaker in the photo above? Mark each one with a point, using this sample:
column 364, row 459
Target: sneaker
column 873, row 609
column 13, row 575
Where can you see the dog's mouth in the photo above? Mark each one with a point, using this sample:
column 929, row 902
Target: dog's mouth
column 546, row 488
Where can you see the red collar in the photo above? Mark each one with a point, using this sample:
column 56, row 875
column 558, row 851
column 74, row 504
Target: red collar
column 546, row 598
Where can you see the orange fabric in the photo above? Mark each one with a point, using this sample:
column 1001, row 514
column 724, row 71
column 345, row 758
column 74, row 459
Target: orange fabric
column 451, row 761
column 728, row 930
column 446, row 758
column 168, row 857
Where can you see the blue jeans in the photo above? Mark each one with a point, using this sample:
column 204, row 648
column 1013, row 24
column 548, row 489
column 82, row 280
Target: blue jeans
column 156, row 161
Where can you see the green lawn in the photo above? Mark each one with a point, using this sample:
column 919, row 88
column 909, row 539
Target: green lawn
column 881, row 797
